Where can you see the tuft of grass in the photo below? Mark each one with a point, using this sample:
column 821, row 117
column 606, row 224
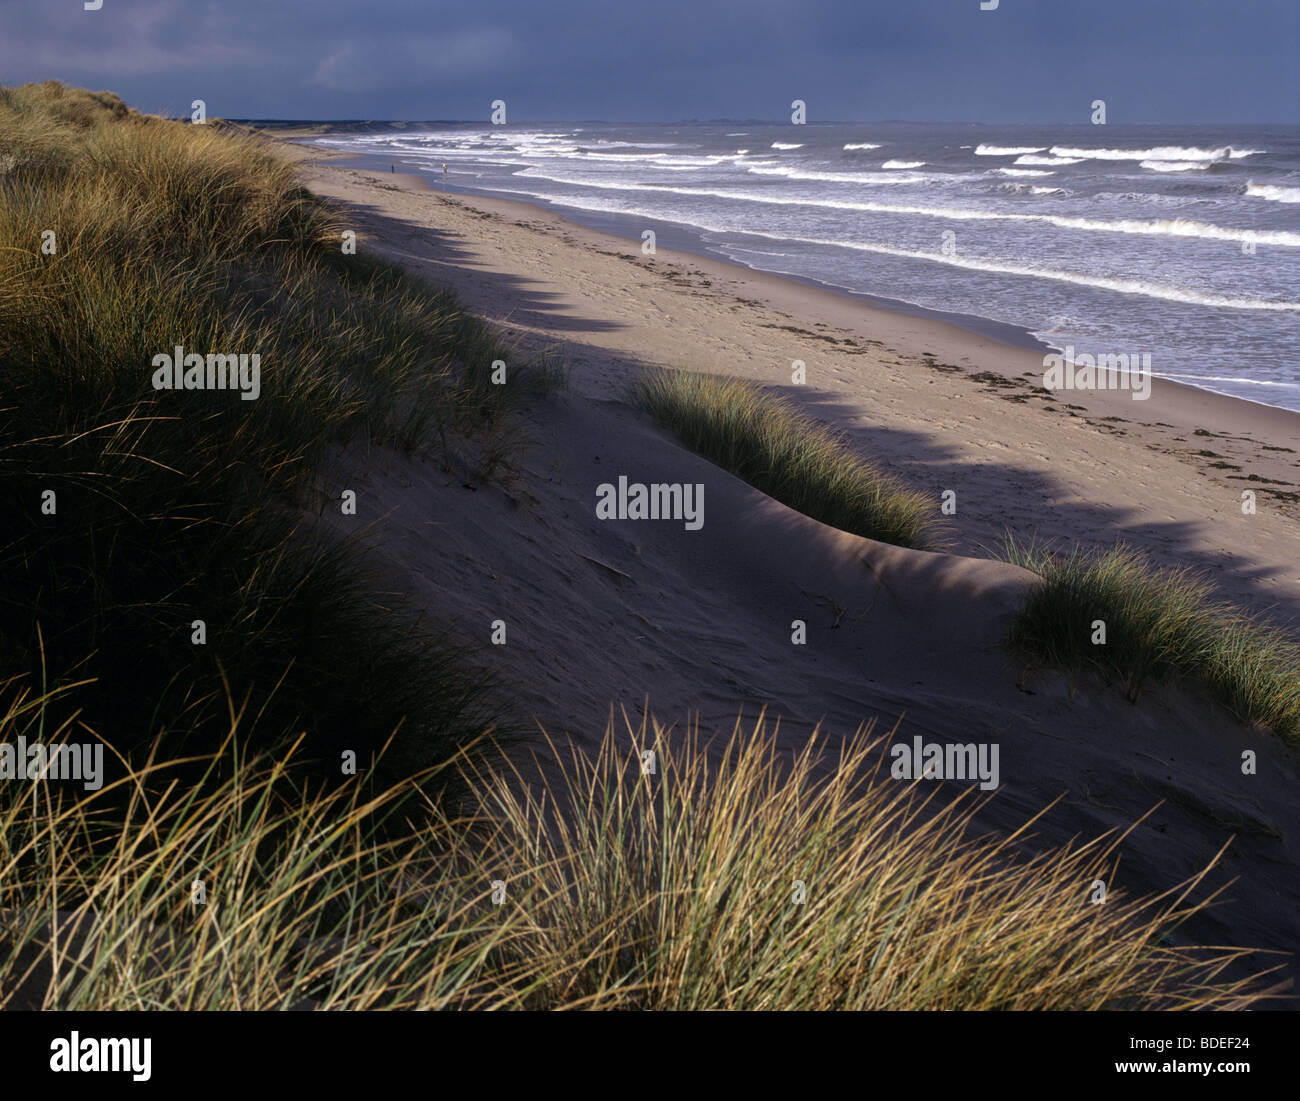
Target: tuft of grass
column 740, row 875
column 1159, row 623
column 769, row 443
column 240, row 889
column 621, row 889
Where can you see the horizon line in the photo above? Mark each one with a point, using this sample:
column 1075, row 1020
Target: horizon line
column 739, row 122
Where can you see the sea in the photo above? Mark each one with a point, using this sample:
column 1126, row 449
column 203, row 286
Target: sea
column 1182, row 242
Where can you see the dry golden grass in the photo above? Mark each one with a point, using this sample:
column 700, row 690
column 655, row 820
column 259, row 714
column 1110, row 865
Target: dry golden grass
column 621, row 889
column 1159, row 623
column 766, row 441
column 175, row 506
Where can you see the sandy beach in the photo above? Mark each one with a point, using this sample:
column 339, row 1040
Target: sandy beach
column 619, row 509
column 940, row 407
column 601, row 613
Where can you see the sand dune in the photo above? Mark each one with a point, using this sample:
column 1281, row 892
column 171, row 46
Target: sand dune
column 602, row 613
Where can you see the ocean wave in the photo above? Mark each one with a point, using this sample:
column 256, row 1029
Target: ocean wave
column 1146, row 198
column 785, row 145
column 1175, row 166
column 1235, row 378
column 1021, row 172
column 635, row 144
column 539, row 140
column 1273, row 192
column 1030, row 189
column 835, row 177
column 1136, row 287
column 1030, row 159
column 983, row 150
column 903, row 164
column 599, row 157
column 862, row 145
column 1159, row 153
column 1165, row 227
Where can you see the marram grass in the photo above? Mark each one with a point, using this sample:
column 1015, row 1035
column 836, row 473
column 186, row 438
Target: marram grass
column 1158, row 623
column 134, row 512
column 766, row 441
column 606, row 888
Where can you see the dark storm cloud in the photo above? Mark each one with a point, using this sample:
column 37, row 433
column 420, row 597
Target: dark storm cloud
column 1029, row 61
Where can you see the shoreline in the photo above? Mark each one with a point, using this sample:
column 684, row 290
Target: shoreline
column 1236, row 411
column 683, row 240
column 1089, row 467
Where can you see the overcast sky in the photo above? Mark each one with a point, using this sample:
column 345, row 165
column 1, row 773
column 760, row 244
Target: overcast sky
column 1152, row 61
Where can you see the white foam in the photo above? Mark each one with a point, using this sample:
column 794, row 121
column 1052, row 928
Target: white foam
column 1137, row 287
column 1021, row 172
column 1159, row 153
column 1030, row 189
column 983, row 150
column 634, row 144
column 835, row 177
column 660, row 160
column 1145, row 198
column 1028, row 159
column 785, row 145
column 1273, row 192
column 903, row 164
column 1175, row 166
column 862, row 145
column 1236, row 378
column 1165, row 227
